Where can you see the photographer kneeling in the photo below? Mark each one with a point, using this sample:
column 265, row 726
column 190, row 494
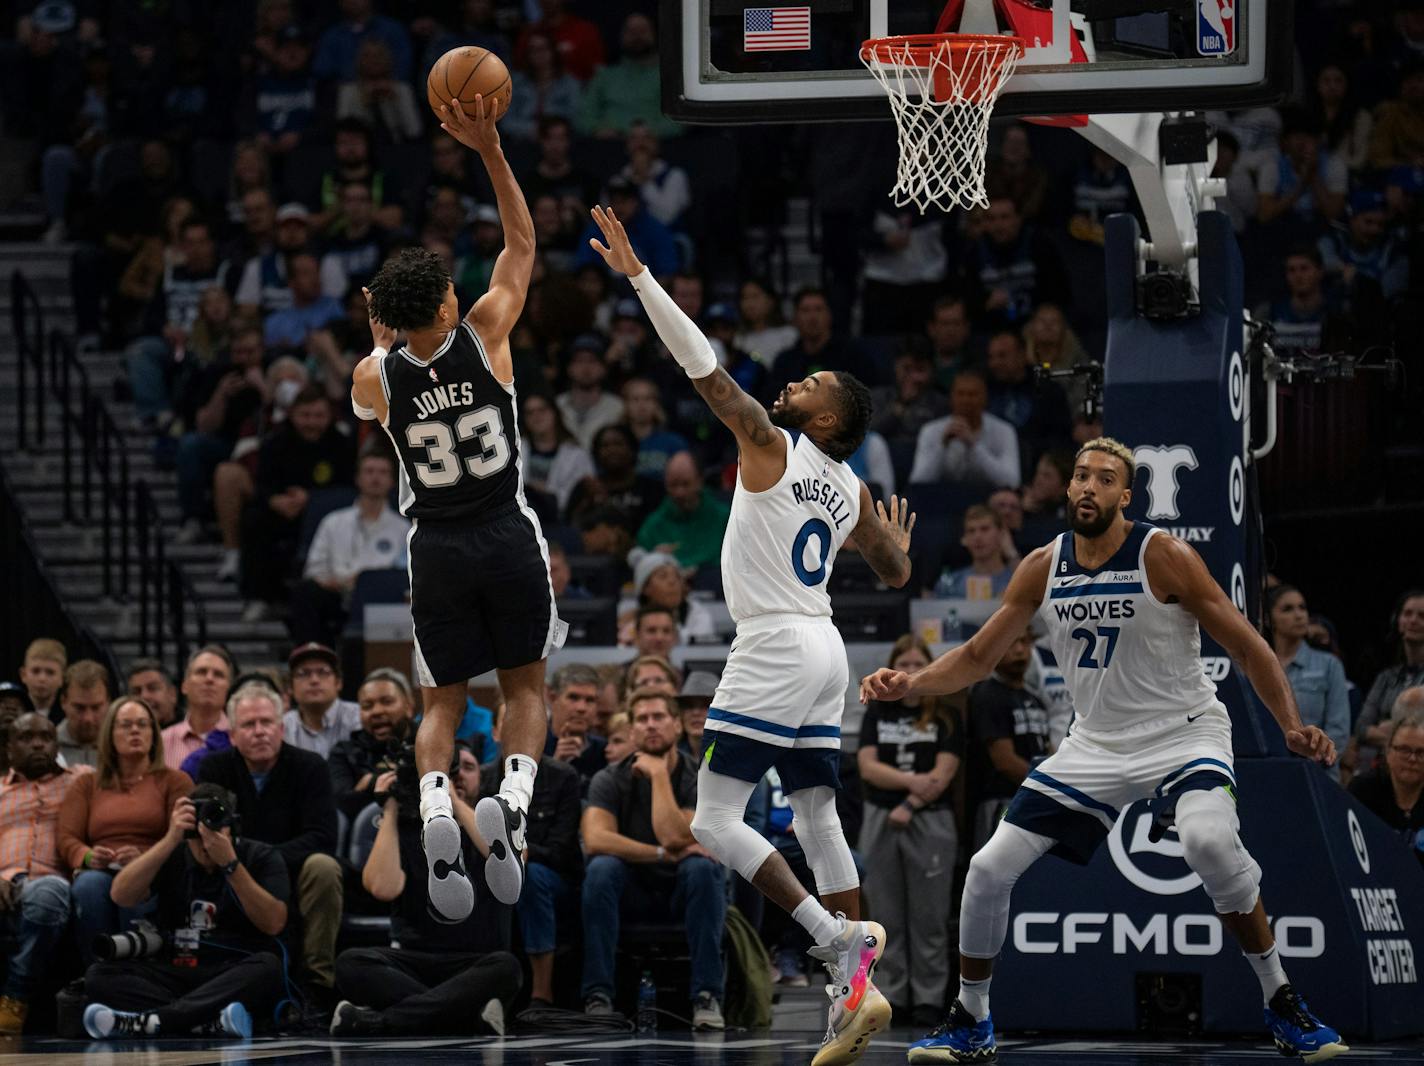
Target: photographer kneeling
column 456, row 979
column 213, row 962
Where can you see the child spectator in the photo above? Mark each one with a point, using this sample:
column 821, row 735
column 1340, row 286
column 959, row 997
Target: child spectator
column 42, row 673
column 989, row 569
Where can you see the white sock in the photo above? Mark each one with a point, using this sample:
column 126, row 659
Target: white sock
column 1268, row 971
column 816, row 920
column 518, row 783
column 435, row 796
column 975, row 997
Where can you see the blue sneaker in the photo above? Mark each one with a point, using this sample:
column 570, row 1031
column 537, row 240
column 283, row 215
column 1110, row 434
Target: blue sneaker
column 1298, row 1032
column 959, row 1038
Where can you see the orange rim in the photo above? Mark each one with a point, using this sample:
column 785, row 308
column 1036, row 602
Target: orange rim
column 920, row 49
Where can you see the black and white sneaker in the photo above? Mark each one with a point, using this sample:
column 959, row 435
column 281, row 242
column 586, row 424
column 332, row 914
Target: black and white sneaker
column 449, row 892
column 503, row 828
column 351, row 1020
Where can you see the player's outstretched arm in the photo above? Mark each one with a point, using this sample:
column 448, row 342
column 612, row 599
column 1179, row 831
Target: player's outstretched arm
column 496, row 312
column 368, row 399
column 976, row 658
column 763, row 449
column 1176, row 571
column 883, row 538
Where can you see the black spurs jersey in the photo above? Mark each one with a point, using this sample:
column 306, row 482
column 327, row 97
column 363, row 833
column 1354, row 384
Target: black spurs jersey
column 454, row 426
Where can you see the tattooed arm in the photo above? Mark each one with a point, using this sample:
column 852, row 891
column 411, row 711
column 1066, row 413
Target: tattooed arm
column 883, row 538
column 761, row 445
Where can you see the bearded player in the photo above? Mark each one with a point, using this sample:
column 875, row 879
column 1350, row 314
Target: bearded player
column 781, row 696
column 1122, row 602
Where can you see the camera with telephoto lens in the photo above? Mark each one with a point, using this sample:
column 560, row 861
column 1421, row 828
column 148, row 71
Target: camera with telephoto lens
column 211, row 812
column 406, row 789
column 141, row 941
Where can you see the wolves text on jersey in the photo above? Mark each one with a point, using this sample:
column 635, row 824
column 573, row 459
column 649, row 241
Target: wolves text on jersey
column 814, row 490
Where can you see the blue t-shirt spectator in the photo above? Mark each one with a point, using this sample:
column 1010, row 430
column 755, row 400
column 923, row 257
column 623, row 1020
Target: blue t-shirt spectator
column 955, row 585
column 285, row 103
column 337, row 49
column 289, row 328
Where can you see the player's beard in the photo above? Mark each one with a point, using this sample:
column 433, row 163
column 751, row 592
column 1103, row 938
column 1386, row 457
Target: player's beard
column 1095, row 526
column 788, row 417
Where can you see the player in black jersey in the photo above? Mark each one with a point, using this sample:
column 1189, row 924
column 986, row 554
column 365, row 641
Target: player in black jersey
column 481, row 597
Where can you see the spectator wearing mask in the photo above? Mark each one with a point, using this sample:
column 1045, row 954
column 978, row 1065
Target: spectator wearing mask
column 572, row 695
column 690, row 522
column 969, row 446
column 586, row 406
column 1371, row 728
column 909, row 754
column 85, row 696
column 442, row 979
column 368, row 535
column 339, row 48
column 356, row 763
column 284, row 797
column 319, row 719
column 1037, row 410
column 540, row 87
column 989, row 569
column 239, row 888
column 34, row 880
column 206, row 680
column 1008, row 732
column 42, row 674
column 114, row 815
column 150, row 681
column 628, row 91
column 1012, row 268
column 643, row 860
column 693, row 703
column 1316, row 677
column 652, row 241
column 1394, row 790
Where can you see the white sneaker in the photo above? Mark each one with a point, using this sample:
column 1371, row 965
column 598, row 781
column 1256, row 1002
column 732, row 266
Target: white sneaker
column 230, row 565
column 857, row 1010
column 493, row 1016
column 707, row 1013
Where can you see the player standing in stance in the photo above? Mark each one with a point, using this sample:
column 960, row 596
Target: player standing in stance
column 1122, row 602
column 479, row 567
column 781, row 696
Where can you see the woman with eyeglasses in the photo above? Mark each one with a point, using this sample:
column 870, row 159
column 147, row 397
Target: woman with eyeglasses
column 112, row 816
column 1396, row 791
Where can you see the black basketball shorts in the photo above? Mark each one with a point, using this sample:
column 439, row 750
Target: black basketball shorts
column 481, row 598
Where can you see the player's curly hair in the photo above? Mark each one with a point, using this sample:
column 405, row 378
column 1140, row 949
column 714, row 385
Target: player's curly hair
column 408, row 289
column 853, row 410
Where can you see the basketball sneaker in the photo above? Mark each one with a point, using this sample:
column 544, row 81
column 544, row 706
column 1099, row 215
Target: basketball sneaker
column 233, row 1020
column 1296, row 1031
column 959, row 1038
column 503, row 827
column 105, row 1023
column 858, row 1010
column 449, row 892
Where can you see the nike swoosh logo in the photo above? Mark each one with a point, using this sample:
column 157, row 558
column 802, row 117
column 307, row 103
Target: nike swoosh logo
column 1194, row 717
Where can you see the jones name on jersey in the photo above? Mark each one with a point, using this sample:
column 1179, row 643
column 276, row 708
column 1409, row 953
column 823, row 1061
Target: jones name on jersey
column 444, row 397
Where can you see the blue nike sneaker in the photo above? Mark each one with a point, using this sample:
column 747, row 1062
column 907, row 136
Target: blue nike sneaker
column 959, row 1038
column 1298, row 1032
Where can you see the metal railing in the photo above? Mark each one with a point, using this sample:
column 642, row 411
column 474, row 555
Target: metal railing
column 164, row 592
column 27, row 323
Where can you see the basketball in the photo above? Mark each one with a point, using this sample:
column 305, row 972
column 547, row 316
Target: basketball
column 462, row 73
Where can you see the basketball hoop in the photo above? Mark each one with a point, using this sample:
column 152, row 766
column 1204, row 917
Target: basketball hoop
column 942, row 89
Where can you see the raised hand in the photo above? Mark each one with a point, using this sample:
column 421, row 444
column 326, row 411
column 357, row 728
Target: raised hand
column 898, row 522
column 618, row 253
column 474, row 128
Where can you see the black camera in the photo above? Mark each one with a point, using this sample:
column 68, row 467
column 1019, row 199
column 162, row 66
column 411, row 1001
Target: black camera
column 400, row 757
column 213, row 813
column 140, row 942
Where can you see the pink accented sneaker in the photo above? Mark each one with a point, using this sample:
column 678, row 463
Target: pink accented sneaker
column 858, row 1010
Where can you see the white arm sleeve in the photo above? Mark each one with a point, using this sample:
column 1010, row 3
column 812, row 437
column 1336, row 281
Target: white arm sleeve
column 681, row 335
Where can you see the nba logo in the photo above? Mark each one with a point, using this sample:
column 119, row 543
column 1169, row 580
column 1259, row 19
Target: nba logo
column 433, row 377
column 1216, row 27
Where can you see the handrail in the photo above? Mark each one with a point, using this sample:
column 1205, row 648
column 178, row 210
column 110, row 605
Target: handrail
column 27, row 324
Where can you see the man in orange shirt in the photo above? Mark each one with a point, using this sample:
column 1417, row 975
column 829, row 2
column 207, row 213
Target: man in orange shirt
column 34, row 890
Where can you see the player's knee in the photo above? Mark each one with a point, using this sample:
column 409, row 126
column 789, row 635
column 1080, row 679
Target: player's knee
column 996, row 867
column 1207, row 827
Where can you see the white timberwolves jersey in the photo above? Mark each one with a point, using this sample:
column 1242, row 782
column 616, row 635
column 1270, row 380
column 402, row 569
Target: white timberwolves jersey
column 1128, row 658
column 781, row 543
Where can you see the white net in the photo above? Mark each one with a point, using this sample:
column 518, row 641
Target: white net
column 942, row 92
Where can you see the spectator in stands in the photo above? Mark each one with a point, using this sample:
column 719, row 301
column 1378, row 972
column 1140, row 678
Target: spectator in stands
column 319, row 719
column 15, row 701
column 114, row 815
column 655, row 631
column 555, row 174
column 236, row 972
column 603, row 530
column 477, row 249
column 620, row 739
column 34, row 883
column 283, row 99
column 554, row 463
column 628, row 91
column 659, row 581
column 578, row 42
column 951, row 340
column 1299, row 181
column 442, row 978
column 377, row 97
column 206, row 680
column 572, row 695
column 1347, row 125
column 643, row 861
column 152, row 359
column 1371, row 728
column 1103, row 187
column 1398, row 136
column 1365, row 248
column 1316, row 677
column 1012, row 268
column 85, row 695
column 1037, row 410
column 150, row 681
column 1044, row 501
column 362, row 245
column 644, row 415
column 989, row 569
column 1300, row 317
column 1013, row 172
column 1008, row 505
column 908, row 755
column 721, row 328
column 368, row 535
column 42, row 674
column 664, row 187
column 1393, row 791
column 217, row 404
column 693, row 703
column 264, row 287
column 1051, row 342
column 357, row 762
column 615, row 457
column 540, row 87
column 968, row 446
column 479, row 24
column 691, row 521
column 763, row 332
column 817, row 347
column 289, row 330
column 652, row 241
column 1008, row 732
column 284, row 797
column 902, row 409
column 212, row 329
column 307, row 452
column 587, row 406
column 905, row 265
column 339, row 48
column 651, row 671
column 354, row 148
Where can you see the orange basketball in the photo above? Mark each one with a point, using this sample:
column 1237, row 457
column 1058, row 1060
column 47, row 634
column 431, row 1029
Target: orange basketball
column 461, row 73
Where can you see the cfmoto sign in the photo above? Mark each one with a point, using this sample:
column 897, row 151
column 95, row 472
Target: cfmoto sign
column 1157, row 867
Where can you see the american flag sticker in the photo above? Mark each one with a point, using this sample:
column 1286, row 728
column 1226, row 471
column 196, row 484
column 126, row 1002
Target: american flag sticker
column 776, row 29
